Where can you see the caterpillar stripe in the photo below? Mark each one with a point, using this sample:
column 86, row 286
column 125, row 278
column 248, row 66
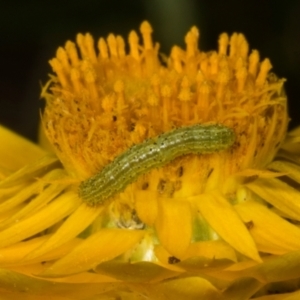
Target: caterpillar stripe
column 153, row 153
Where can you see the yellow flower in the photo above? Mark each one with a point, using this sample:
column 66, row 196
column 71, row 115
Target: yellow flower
column 223, row 225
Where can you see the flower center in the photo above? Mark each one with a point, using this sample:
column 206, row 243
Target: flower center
column 102, row 103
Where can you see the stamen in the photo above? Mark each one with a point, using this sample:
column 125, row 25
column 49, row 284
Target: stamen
column 166, row 101
column 90, row 77
column 191, row 40
column 241, row 74
column 121, row 46
column 81, row 45
column 62, row 56
column 253, row 63
column 112, row 45
column 233, row 45
column 203, row 100
column 214, row 63
column 223, row 79
column 176, row 59
column 134, row 45
column 185, row 97
column 89, row 45
column 72, row 53
column 223, row 43
column 146, row 31
column 58, row 69
column 102, row 46
column 119, row 89
column 265, row 67
column 75, row 78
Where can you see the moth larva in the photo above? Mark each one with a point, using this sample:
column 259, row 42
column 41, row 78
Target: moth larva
column 153, row 153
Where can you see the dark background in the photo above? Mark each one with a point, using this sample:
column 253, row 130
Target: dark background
column 31, row 31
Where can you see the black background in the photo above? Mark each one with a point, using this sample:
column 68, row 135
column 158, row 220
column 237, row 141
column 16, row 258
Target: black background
column 31, row 31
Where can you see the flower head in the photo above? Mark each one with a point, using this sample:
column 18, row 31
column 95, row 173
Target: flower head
column 199, row 226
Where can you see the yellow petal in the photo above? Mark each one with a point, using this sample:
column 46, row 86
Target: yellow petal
column 275, row 269
column 174, row 225
column 101, row 246
column 22, row 196
column 17, row 251
column 135, row 272
column 292, row 143
column 20, row 295
column 54, row 254
column 27, row 192
column 15, row 151
column 49, row 215
column 290, row 154
column 192, row 288
column 294, row 133
column 222, row 217
column 242, row 289
column 69, row 229
column 146, row 206
column 211, row 249
column 42, row 199
column 43, row 141
column 14, row 254
column 260, row 173
column 292, row 170
column 206, row 266
column 271, row 233
column 166, row 259
column 36, row 268
column 6, row 194
column 285, row 296
column 20, row 284
column 30, row 171
column 279, row 194
column 226, row 271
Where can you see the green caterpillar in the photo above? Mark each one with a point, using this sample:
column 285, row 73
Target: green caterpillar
column 153, row 153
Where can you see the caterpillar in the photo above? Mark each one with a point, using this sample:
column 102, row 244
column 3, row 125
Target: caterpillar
column 153, row 153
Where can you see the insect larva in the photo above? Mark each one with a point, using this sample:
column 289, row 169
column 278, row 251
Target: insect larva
column 153, row 153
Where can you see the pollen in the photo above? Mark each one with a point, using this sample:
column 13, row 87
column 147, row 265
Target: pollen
column 107, row 96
